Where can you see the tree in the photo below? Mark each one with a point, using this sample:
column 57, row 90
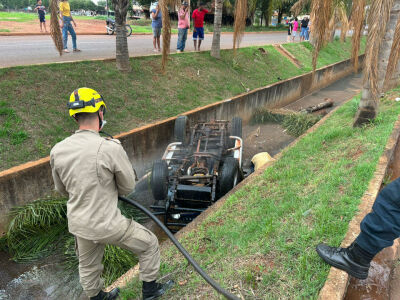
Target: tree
column 377, row 55
column 216, row 42
column 122, row 52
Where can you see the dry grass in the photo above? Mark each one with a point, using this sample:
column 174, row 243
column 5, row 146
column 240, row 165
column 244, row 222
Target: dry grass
column 357, row 20
column 394, row 55
column 377, row 28
column 55, row 30
column 321, row 14
column 240, row 22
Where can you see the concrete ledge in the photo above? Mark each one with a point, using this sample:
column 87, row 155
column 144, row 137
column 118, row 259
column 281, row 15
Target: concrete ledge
column 133, row 272
column 336, row 284
column 30, row 181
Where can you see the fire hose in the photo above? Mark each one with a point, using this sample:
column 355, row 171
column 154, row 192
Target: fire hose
column 188, row 257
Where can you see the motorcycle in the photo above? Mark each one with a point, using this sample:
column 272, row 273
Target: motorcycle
column 111, row 28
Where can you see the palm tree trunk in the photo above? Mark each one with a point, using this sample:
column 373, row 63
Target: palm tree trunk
column 374, row 79
column 122, row 52
column 216, row 42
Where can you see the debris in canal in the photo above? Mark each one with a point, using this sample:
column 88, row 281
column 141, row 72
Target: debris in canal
column 39, row 229
column 295, row 123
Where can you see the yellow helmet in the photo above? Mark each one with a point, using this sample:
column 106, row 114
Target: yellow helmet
column 85, row 100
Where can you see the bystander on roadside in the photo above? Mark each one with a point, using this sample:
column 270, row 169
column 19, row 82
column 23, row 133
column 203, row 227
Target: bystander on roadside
column 183, row 27
column 41, row 9
column 156, row 25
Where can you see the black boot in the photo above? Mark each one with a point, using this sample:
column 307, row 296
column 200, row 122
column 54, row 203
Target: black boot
column 354, row 260
column 152, row 290
column 106, row 295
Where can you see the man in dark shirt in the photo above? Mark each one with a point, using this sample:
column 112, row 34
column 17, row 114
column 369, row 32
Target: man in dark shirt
column 42, row 15
column 304, row 29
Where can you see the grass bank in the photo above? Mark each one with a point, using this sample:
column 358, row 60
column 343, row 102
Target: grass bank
column 332, row 51
column 33, row 114
column 261, row 242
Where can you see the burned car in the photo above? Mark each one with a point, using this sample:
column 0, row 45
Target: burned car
column 200, row 166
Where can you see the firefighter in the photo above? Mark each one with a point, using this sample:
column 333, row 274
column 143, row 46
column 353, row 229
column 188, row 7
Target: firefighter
column 93, row 171
column 259, row 160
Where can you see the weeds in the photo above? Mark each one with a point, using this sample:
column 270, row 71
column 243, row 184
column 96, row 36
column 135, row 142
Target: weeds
column 39, row 229
column 295, row 123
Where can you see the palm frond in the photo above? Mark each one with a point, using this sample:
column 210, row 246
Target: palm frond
column 298, row 6
column 55, row 30
column 357, row 20
column 321, row 14
column 377, row 28
column 240, row 22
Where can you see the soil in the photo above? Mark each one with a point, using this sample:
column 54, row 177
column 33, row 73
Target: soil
column 32, row 27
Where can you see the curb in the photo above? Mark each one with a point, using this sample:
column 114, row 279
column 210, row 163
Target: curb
column 335, row 286
column 134, row 271
column 139, row 33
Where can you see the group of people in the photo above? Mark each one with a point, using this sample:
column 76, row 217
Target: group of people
column 66, row 22
column 293, row 28
column 183, row 26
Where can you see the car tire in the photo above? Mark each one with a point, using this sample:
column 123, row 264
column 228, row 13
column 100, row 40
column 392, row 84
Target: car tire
column 229, row 175
column 236, row 130
column 159, row 180
column 180, row 129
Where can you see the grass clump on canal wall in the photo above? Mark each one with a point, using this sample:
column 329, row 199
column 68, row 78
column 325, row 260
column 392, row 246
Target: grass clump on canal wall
column 39, row 229
column 261, row 241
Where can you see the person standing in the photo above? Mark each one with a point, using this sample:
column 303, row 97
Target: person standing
column 156, row 25
column 183, row 26
column 66, row 20
column 290, row 29
column 92, row 171
column 198, row 25
column 295, row 27
column 304, row 29
column 41, row 9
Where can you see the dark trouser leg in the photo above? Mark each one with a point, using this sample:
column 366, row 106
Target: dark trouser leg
column 382, row 226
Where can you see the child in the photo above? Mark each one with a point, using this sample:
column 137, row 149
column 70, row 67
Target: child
column 42, row 14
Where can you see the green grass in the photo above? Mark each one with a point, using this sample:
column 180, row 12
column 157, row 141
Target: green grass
column 262, row 240
column 36, row 96
column 333, row 50
column 5, row 30
column 28, row 17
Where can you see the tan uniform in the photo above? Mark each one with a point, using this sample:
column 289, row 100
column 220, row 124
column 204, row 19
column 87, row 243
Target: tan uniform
column 93, row 171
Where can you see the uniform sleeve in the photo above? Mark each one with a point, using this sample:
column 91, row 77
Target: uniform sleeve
column 124, row 174
column 60, row 187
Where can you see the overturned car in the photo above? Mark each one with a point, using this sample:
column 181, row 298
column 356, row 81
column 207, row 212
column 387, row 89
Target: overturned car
column 200, row 166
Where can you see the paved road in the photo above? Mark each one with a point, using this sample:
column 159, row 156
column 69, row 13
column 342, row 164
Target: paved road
column 26, row 50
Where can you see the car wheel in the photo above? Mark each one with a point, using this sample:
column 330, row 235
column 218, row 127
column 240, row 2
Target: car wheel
column 159, row 180
column 180, row 129
column 229, row 175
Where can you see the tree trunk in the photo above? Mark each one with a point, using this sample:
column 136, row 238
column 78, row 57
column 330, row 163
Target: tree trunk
column 216, row 42
column 280, row 14
column 368, row 108
column 122, row 52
